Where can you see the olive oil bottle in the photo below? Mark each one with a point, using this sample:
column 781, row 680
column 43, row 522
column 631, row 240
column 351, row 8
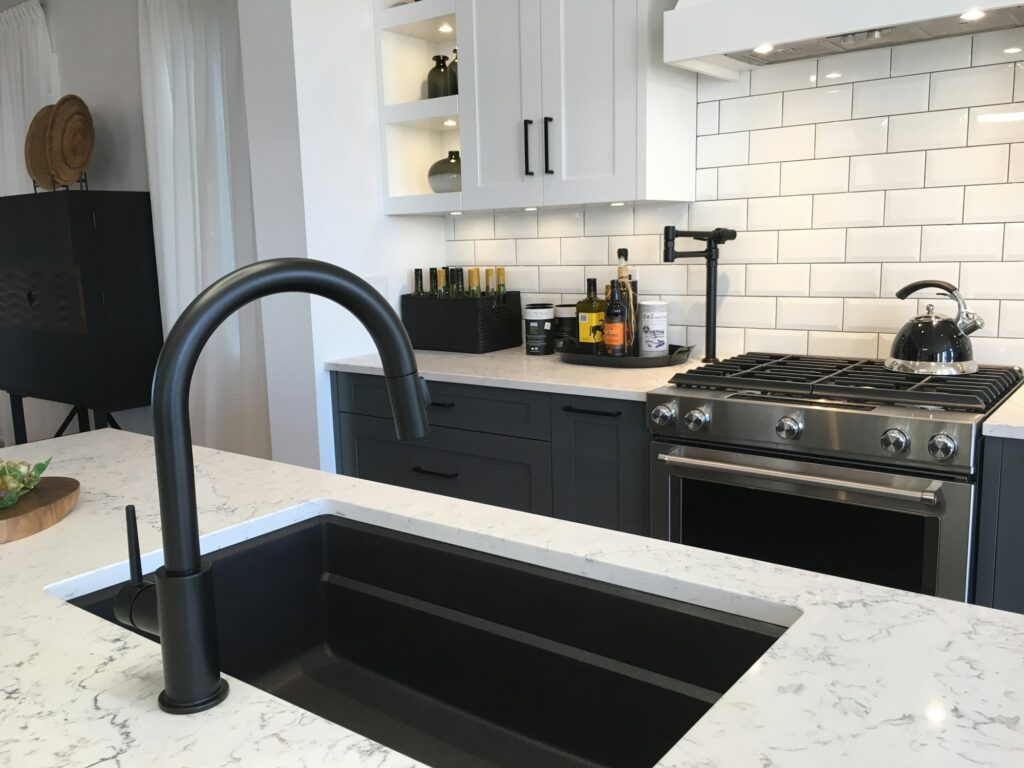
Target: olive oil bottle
column 590, row 318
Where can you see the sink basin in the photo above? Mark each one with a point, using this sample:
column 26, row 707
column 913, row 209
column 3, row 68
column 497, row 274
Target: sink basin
column 459, row 658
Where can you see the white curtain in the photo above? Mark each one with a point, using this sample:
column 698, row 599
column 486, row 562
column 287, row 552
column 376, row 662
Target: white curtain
column 28, row 82
column 198, row 157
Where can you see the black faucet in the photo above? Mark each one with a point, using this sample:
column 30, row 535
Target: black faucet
column 179, row 606
column 714, row 238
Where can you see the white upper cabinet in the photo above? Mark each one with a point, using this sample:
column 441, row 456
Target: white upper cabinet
column 500, row 94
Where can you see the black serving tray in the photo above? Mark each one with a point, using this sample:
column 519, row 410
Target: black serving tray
column 676, row 355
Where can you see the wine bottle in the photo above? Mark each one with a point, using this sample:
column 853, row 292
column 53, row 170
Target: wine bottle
column 488, row 281
column 615, row 323
column 433, row 282
column 474, row 282
column 442, row 283
column 590, row 319
column 499, row 289
column 417, row 282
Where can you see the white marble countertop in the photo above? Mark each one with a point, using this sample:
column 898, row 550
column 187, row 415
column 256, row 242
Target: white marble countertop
column 864, row 676
column 514, row 369
column 1008, row 419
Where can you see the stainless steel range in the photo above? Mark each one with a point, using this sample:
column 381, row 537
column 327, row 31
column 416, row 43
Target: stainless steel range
column 830, row 464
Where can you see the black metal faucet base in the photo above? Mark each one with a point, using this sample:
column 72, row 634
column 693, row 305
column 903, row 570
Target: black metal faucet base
column 173, row 708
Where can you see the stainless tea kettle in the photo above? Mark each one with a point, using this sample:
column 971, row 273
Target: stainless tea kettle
column 932, row 343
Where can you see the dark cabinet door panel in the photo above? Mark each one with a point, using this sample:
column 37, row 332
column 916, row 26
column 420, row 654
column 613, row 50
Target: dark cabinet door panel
column 505, row 471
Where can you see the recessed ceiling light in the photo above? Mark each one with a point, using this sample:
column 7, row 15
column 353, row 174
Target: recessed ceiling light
column 764, row 49
column 531, row 208
column 449, row 123
column 833, row 75
column 456, row 213
column 973, row 14
column 616, row 205
column 446, row 28
column 1015, row 49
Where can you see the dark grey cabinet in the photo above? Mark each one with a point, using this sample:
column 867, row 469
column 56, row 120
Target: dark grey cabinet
column 580, row 458
column 599, row 462
column 1000, row 533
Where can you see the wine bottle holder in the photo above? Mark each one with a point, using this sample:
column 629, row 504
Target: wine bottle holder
column 477, row 325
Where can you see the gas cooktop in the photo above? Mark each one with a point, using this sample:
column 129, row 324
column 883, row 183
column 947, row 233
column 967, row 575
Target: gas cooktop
column 852, row 381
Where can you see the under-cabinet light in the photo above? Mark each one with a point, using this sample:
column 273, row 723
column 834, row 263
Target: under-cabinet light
column 973, row 14
column 531, row 208
column 446, row 28
column 616, row 205
column 1015, row 49
column 456, row 213
column 449, row 123
column 764, row 49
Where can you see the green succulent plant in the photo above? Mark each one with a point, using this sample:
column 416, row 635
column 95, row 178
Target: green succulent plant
column 18, row 478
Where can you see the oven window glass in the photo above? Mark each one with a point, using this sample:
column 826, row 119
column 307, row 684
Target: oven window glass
column 894, row 549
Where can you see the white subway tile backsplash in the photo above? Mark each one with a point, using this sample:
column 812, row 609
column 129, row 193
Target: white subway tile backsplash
column 515, row 224
column 849, row 67
column 817, row 105
column 931, row 56
column 895, row 276
column 891, row 97
column 851, row 137
column 495, row 252
column 928, row 130
column 871, row 244
column 896, row 170
column 810, row 314
column 807, row 246
column 525, row 279
column 992, row 280
column 707, row 184
column 608, row 220
column 714, row 88
column 473, row 226
column 560, row 222
column 585, row 250
column 664, row 279
column 849, row 209
column 842, row 344
column 967, row 165
column 1011, row 319
column 707, row 118
column 751, row 248
column 1013, row 242
column 643, row 249
column 999, row 351
column 962, row 242
column 458, row 252
column 971, row 87
column 991, row 47
column 779, row 213
column 806, row 177
column 775, row 144
column 750, row 113
column 719, row 213
column 561, row 279
column 874, row 315
column 652, row 218
column 539, row 251
column 788, row 76
column 845, row 279
column 732, row 279
column 885, row 344
column 735, row 312
column 776, row 342
column 1016, row 162
column 722, row 149
column 1018, row 82
column 936, row 205
column 1001, row 124
column 728, row 341
column 994, row 202
column 748, row 181
column 778, row 279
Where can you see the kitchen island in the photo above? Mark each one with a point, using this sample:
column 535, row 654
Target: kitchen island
column 863, row 675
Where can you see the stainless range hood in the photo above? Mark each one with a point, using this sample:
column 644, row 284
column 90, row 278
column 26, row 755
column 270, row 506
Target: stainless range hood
column 804, row 29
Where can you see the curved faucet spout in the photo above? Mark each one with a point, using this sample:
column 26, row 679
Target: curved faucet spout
column 187, row 622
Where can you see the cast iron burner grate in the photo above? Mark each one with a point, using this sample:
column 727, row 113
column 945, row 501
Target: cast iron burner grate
column 852, row 380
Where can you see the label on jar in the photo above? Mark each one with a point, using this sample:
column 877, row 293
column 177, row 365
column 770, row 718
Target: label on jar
column 614, row 334
column 591, row 325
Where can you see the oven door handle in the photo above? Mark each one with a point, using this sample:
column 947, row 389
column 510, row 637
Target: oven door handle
column 931, row 498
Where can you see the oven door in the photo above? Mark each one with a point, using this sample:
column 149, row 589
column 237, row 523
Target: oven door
column 896, row 530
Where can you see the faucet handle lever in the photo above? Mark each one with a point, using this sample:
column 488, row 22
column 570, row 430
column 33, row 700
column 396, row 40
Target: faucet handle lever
column 134, row 558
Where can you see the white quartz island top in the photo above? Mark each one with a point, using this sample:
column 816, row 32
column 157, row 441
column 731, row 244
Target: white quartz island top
column 514, row 369
column 864, row 676
column 1008, row 419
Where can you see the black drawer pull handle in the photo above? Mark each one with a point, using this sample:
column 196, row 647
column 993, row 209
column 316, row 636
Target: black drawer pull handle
column 547, row 145
column 526, row 145
column 433, row 473
column 590, row 412
column 442, row 405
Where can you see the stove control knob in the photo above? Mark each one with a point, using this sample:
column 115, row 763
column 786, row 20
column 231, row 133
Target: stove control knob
column 696, row 420
column 941, row 446
column 663, row 414
column 895, row 441
column 788, row 428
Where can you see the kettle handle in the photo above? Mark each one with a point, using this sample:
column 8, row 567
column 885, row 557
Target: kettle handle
column 942, row 285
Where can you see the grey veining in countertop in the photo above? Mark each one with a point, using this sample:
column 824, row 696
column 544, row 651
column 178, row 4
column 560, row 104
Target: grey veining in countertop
column 864, row 676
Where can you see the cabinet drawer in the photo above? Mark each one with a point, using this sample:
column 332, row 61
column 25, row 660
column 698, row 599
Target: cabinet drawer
column 482, row 409
column 493, row 469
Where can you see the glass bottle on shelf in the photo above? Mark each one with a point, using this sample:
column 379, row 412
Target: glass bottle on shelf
column 433, row 282
column 437, row 78
column 499, row 289
column 453, row 73
column 488, row 281
column 417, row 282
column 474, row 282
column 442, row 283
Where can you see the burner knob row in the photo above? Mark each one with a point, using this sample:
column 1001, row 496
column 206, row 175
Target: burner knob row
column 696, row 420
column 663, row 414
column 941, row 446
column 788, row 428
column 895, row 441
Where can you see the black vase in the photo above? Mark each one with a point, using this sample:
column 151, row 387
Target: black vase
column 453, row 73
column 437, row 78
column 446, row 174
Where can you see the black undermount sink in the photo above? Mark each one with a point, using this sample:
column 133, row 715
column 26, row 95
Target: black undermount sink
column 459, row 658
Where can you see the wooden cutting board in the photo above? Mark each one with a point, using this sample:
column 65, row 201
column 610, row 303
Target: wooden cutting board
column 47, row 505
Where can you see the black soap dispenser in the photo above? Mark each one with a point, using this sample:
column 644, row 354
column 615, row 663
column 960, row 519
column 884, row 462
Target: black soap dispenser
column 437, row 78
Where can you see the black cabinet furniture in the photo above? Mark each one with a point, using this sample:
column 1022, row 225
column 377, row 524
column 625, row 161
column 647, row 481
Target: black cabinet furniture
column 578, row 458
column 1000, row 535
column 79, row 305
